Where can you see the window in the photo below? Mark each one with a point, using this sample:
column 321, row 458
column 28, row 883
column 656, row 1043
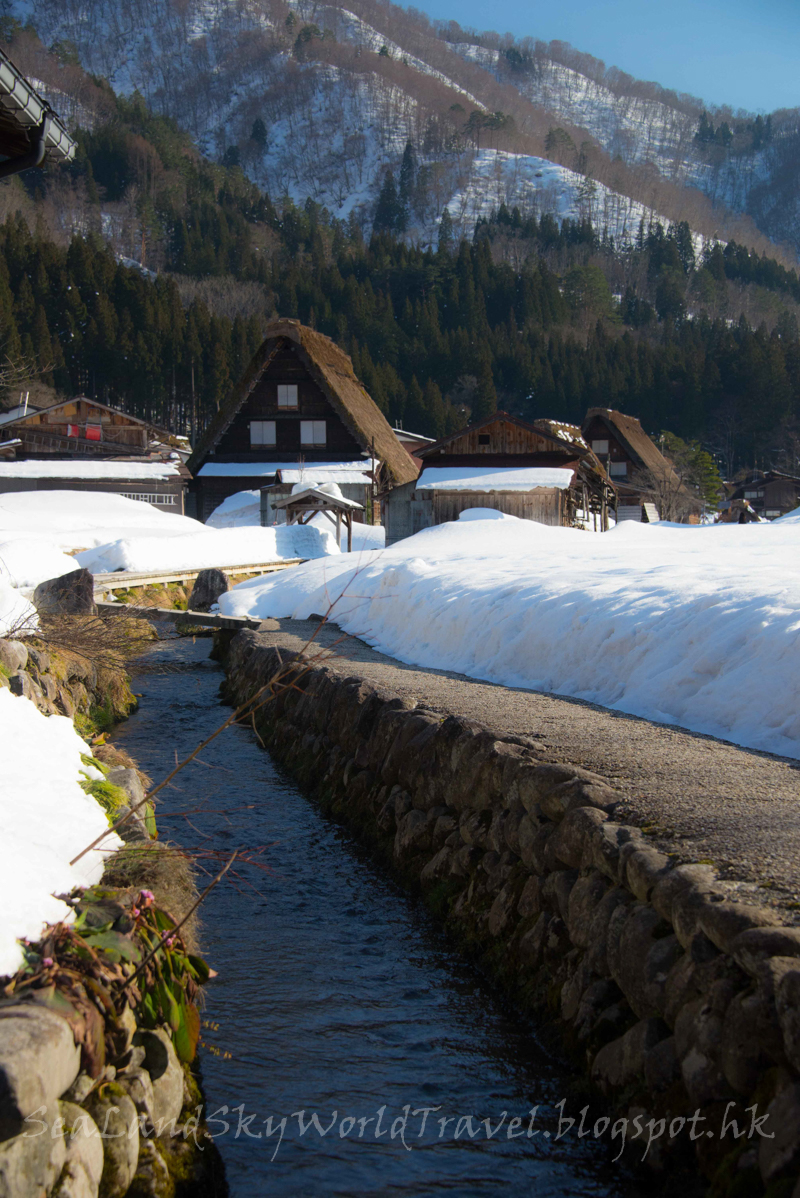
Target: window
column 772, row 513
column 161, row 499
column 312, row 432
column 754, row 494
column 617, row 469
column 600, row 446
column 287, row 395
column 484, row 439
column 262, row 432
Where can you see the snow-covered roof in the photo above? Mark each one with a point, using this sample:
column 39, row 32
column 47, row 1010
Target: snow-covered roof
column 124, row 471
column 16, row 413
column 493, row 478
column 290, row 472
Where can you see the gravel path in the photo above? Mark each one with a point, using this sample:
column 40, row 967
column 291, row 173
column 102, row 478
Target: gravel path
column 705, row 799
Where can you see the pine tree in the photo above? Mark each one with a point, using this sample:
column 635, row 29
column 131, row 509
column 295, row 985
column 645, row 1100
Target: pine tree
column 485, row 401
column 445, row 233
column 388, row 213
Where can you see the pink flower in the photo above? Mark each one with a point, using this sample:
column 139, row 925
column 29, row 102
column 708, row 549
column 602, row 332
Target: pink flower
column 147, row 898
column 135, row 912
column 47, row 962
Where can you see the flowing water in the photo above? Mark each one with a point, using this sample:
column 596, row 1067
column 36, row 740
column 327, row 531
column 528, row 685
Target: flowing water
column 338, row 993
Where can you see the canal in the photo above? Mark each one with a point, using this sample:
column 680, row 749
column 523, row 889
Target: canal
column 338, row 993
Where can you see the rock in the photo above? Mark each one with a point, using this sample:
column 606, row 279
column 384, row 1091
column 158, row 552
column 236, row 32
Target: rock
column 754, row 945
column 13, row 656
column 661, row 1065
column 413, row 833
column 23, row 685
column 30, row 1163
column 698, row 1035
column 622, row 1061
column 530, row 900
column 134, row 829
column 152, row 1178
column 166, row 1075
column 751, row 1042
column 780, row 1156
column 644, row 868
column 39, row 1060
column 501, row 911
column 584, row 898
column 115, row 1115
column 574, row 839
column 596, row 998
column 208, row 586
column 438, row 866
column 632, row 935
column 39, row 660
column 83, row 1167
column 787, row 1001
column 724, row 922
column 71, row 594
column 138, row 1085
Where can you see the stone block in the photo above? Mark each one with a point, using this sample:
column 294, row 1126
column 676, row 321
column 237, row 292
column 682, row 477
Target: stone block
column 674, row 883
column 779, row 1156
column 661, row 1065
column 622, row 1061
column 24, row 687
column 530, row 900
column 39, row 1060
column 115, row 1115
column 30, row 1163
column 574, row 838
column 585, row 896
column 71, row 594
column 83, row 1167
column 166, row 1074
column 208, row 586
column 751, row 1042
column 13, row 656
column 755, row 945
column 787, row 1001
column 644, row 868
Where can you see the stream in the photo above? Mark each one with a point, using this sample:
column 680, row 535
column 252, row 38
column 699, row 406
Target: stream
column 337, row 992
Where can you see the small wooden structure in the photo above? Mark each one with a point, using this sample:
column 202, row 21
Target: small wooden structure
column 303, row 506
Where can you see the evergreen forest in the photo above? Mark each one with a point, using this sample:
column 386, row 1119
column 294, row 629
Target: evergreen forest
column 532, row 316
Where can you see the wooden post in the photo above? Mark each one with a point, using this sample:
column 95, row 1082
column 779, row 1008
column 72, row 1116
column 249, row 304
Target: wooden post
column 349, row 519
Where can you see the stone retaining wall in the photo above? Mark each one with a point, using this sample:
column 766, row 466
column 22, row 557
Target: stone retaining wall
column 675, row 996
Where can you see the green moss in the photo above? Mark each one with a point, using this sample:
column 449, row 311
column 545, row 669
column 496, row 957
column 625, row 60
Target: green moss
column 4, row 671
column 110, row 797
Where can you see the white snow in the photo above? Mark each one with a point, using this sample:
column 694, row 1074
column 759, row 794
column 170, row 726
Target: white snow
column 493, row 478
column 789, row 518
column 17, row 615
column 243, row 510
column 124, row 471
column 45, row 821
column 25, row 562
column 81, row 519
column 243, row 546
column 696, row 626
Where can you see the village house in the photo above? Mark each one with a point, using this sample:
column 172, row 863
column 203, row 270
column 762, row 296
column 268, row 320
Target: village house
column 648, row 487
column 299, row 415
column 80, row 444
column 768, row 494
column 541, row 471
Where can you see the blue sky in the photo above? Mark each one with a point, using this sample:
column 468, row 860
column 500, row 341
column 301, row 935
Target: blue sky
column 741, row 53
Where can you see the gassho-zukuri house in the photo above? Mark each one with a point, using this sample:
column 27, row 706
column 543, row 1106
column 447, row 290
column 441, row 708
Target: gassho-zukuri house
column 298, row 416
column 542, row 471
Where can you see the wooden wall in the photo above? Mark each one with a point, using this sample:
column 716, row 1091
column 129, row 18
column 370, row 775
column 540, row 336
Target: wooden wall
column 499, row 437
column 545, row 504
column 262, row 404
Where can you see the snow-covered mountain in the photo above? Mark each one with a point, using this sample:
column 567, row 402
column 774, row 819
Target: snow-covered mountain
column 318, row 99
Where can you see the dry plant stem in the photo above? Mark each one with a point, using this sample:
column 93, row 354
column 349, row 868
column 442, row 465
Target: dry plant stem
column 172, row 931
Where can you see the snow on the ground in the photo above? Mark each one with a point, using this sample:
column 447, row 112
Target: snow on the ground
column 243, row 510
column 27, row 561
column 82, row 519
column 45, row 821
column 208, row 548
column 17, row 615
column 789, row 518
column 696, row 626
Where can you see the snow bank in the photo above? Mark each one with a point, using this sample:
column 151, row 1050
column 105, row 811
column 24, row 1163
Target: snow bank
column 80, row 519
column 209, row 547
column 789, row 518
column 45, row 820
column 17, row 615
column 697, row 626
column 243, row 510
column 27, row 561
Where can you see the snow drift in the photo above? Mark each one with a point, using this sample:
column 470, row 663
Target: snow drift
column 696, row 626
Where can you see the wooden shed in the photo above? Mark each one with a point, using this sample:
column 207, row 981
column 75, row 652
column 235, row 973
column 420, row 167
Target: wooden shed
column 538, row 471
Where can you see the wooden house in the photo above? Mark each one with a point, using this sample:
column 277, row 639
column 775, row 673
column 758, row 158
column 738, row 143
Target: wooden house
column 768, row 494
column 83, row 445
column 537, row 471
column 648, row 487
column 298, row 406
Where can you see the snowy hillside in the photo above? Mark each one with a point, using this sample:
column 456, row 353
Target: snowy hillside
column 319, row 100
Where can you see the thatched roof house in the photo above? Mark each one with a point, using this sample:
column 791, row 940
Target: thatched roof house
column 298, row 403
column 635, row 464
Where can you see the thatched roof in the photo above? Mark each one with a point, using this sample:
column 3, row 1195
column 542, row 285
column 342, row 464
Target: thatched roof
column 633, row 439
column 332, row 370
